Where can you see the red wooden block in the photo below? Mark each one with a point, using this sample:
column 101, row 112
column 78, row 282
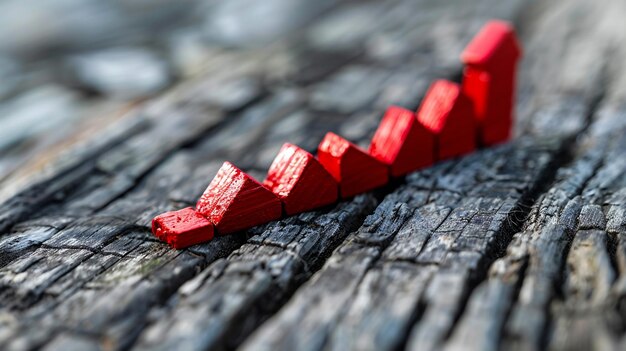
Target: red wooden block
column 235, row 201
column 448, row 114
column 182, row 228
column 402, row 143
column 354, row 169
column 489, row 79
column 300, row 181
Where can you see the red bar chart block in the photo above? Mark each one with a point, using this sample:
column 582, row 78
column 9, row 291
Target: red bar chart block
column 489, row 79
column 300, row 181
column 235, row 201
column 402, row 143
column 448, row 114
column 182, row 228
column 352, row 167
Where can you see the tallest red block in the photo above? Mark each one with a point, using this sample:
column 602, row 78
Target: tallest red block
column 489, row 79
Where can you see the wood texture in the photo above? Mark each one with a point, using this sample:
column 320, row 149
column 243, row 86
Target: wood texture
column 519, row 246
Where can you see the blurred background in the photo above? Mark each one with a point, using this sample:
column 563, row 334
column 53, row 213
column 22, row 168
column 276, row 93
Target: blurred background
column 69, row 69
column 70, row 66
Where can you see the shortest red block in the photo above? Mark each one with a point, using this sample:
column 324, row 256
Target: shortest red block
column 353, row 168
column 182, row 228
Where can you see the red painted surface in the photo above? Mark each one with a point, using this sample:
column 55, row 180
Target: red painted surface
column 300, row 181
column 448, row 114
column 446, row 125
column 235, row 201
column 489, row 79
column 182, row 228
column 402, row 143
column 352, row 167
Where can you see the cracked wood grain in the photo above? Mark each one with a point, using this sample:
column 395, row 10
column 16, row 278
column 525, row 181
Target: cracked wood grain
column 560, row 268
column 478, row 253
column 254, row 279
column 423, row 217
column 156, row 336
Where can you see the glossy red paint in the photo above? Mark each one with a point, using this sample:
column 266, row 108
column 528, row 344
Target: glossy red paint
column 402, row 143
column 489, row 79
column 182, row 228
column 448, row 114
column 235, row 201
column 446, row 125
column 300, row 181
column 352, row 167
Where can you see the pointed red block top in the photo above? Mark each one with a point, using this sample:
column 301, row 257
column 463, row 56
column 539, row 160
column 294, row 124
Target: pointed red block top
column 495, row 45
column 300, row 181
column 235, row 201
column 182, row 228
column 448, row 114
column 402, row 142
column 489, row 80
column 354, row 169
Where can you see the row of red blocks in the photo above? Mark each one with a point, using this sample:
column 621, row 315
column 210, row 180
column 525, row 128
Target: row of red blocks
column 452, row 121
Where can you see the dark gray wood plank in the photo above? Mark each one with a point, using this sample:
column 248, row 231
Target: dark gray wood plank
column 408, row 242
column 130, row 193
column 450, row 260
column 540, row 293
column 497, row 249
column 368, row 83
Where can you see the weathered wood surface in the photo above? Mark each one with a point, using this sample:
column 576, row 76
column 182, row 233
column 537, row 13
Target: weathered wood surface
column 520, row 246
